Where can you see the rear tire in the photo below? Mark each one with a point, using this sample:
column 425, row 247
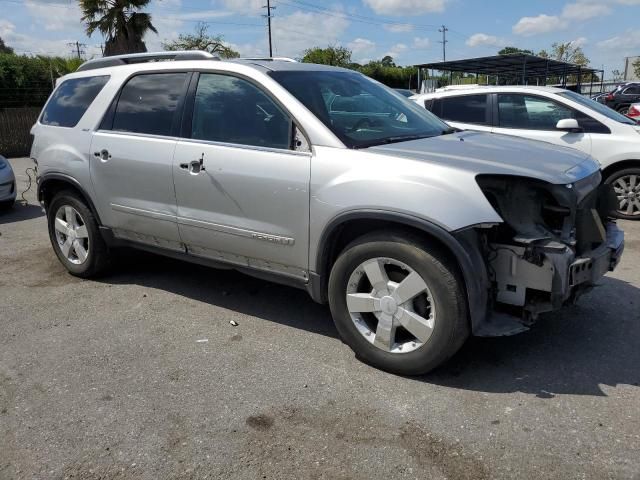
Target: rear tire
column 373, row 300
column 75, row 236
column 626, row 184
column 624, row 110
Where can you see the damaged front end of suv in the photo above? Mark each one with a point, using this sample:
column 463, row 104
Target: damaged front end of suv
column 556, row 241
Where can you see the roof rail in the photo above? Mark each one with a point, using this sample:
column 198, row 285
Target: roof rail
column 269, row 59
column 146, row 57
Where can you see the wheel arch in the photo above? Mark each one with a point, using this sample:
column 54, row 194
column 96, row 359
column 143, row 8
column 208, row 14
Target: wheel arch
column 621, row 165
column 51, row 183
column 461, row 246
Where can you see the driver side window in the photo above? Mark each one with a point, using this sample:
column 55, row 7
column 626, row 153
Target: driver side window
column 232, row 110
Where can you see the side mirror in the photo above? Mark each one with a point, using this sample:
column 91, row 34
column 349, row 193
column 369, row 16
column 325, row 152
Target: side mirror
column 569, row 125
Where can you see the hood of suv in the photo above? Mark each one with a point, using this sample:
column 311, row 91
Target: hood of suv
column 484, row 153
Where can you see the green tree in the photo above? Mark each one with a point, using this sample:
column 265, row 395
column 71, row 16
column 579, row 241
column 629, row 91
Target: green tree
column 387, row 61
column 201, row 40
column 120, row 22
column 568, row 52
column 636, row 67
column 335, row 56
column 514, row 50
column 5, row 48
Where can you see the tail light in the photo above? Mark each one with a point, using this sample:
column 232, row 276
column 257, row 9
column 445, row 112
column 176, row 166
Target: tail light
column 609, row 97
column 634, row 111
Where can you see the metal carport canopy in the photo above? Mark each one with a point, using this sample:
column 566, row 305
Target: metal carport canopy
column 514, row 64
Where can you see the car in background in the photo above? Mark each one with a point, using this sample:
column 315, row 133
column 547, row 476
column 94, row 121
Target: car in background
column 556, row 116
column 623, row 96
column 7, row 184
column 405, row 92
column 634, row 112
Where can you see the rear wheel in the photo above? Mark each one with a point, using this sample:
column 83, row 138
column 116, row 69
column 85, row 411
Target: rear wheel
column 75, row 236
column 624, row 110
column 398, row 303
column 626, row 185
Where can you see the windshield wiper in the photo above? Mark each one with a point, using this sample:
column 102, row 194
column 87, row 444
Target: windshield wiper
column 397, row 139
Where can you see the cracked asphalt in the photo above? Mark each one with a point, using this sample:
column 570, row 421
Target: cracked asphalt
column 141, row 375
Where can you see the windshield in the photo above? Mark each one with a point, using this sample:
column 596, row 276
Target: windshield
column 359, row 111
column 598, row 107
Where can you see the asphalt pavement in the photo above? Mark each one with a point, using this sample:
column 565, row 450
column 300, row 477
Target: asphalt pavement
column 140, row 374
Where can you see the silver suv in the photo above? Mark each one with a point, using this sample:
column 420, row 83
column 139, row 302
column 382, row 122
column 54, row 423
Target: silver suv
column 415, row 234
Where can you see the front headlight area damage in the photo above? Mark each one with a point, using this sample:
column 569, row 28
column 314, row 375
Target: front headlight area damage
column 555, row 243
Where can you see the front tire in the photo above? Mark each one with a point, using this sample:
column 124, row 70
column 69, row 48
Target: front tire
column 75, row 237
column 626, row 185
column 398, row 303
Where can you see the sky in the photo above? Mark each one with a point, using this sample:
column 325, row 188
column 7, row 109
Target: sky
column 407, row 30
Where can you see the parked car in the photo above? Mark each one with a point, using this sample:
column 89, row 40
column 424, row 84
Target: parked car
column 556, row 116
column 416, row 235
column 634, row 112
column 404, row 92
column 7, row 184
column 623, row 96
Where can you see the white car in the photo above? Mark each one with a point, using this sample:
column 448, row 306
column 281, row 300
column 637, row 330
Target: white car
column 556, row 116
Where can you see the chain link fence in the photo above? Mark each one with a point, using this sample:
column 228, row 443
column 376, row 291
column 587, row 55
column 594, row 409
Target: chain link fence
column 19, row 110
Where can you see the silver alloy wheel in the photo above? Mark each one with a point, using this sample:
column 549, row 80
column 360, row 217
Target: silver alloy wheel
column 391, row 305
column 627, row 190
column 72, row 235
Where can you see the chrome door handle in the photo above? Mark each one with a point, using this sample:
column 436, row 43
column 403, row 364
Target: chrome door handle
column 102, row 154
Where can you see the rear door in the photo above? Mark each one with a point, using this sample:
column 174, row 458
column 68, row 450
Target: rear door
column 535, row 117
column 132, row 159
column 467, row 112
column 249, row 205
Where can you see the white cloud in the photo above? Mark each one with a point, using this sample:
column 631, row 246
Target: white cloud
column 481, row 39
column 361, row 45
column 54, row 15
column 577, row 11
column 584, row 10
column 399, row 28
column 421, row 42
column 246, row 7
column 528, row 26
column 579, row 42
column 396, row 51
column 405, row 7
column 630, row 40
column 292, row 34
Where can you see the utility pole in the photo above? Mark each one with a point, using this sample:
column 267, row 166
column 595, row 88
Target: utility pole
column 444, row 41
column 268, row 15
column 77, row 48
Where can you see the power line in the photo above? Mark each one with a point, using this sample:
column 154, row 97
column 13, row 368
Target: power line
column 268, row 15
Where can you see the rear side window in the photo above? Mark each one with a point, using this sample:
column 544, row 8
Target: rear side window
column 148, row 103
column 71, row 100
column 464, row 109
column 635, row 90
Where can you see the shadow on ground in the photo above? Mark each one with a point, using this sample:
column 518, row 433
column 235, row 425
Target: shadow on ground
column 20, row 212
column 574, row 351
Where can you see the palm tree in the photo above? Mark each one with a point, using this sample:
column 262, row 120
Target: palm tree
column 120, row 22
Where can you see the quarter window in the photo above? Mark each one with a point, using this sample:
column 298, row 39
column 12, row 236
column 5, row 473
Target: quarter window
column 71, row 100
column 530, row 113
column 464, row 109
column 148, row 103
column 232, row 110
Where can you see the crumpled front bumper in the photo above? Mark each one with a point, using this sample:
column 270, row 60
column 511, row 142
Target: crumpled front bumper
column 544, row 278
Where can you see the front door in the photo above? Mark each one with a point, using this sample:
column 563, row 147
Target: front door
column 132, row 160
column 242, row 191
column 535, row 117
